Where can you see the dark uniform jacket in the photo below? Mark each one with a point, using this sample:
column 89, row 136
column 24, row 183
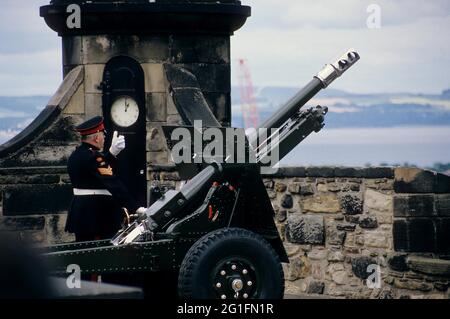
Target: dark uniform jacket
column 96, row 216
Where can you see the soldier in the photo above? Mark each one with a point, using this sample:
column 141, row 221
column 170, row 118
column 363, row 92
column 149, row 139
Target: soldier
column 97, row 211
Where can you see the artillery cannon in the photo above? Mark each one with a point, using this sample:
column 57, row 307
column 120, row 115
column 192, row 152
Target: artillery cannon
column 216, row 235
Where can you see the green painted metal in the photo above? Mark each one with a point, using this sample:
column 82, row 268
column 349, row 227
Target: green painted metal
column 160, row 255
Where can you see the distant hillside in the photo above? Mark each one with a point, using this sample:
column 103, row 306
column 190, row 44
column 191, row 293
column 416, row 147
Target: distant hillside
column 358, row 110
column 345, row 109
column 17, row 112
column 14, row 111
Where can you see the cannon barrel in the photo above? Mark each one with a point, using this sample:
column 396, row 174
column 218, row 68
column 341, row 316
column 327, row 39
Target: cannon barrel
column 324, row 78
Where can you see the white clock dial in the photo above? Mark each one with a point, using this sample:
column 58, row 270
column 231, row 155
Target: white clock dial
column 124, row 111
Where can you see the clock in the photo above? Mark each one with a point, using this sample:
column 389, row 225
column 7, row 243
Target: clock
column 124, row 111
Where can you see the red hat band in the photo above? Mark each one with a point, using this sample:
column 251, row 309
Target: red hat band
column 92, row 130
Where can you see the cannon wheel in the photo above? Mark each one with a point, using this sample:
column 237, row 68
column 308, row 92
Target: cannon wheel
column 231, row 263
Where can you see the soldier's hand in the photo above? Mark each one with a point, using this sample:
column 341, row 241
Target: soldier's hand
column 141, row 210
column 117, row 144
column 139, row 215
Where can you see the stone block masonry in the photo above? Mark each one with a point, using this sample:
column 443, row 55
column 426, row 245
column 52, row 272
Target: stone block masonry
column 34, row 203
column 344, row 226
column 422, row 216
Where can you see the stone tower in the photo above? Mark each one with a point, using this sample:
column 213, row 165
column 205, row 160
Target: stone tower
column 115, row 51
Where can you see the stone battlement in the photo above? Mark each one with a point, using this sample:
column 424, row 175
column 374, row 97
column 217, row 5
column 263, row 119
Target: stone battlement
column 337, row 222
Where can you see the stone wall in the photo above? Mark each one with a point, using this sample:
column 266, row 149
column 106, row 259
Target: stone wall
column 34, row 203
column 337, row 222
column 205, row 56
column 35, row 189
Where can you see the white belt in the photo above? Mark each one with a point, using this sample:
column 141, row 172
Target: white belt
column 84, row 192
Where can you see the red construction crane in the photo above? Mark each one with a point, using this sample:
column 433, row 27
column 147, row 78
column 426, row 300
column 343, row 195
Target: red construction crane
column 248, row 104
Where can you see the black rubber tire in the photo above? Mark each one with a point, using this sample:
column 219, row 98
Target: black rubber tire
column 197, row 271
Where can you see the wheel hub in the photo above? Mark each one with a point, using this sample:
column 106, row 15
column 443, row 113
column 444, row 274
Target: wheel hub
column 237, row 285
column 235, row 279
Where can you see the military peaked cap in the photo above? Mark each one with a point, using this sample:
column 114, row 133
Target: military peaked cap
column 92, row 126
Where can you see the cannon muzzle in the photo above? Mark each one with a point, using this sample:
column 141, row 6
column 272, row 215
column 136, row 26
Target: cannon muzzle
column 334, row 70
column 291, row 123
column 324, row 78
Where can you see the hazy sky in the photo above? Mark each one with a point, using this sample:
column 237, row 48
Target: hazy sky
column 285, row 42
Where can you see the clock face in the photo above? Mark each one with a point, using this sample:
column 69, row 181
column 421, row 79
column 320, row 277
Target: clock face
column 124, row 111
